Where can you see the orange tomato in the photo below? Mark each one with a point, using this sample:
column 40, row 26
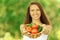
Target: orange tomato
column 34, row 26
column 29, row 29
column 34, row 31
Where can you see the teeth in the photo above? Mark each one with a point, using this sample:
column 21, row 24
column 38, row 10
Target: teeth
column 35, row 15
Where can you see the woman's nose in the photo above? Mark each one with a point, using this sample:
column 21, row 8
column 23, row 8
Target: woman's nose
column 35, row 12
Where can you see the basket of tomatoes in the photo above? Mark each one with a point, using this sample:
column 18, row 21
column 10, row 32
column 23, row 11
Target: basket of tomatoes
column 33, row 28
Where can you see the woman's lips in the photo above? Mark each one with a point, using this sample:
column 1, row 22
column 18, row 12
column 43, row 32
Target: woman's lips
column 35, row 15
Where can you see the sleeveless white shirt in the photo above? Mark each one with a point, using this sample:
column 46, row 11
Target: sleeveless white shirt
column 41, row 37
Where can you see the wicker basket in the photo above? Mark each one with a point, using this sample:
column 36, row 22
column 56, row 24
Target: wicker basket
column 32, row 35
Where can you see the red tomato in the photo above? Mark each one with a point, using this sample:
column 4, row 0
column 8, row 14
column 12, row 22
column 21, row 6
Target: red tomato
column 29, row 29
column 34, row 31
column 34, row 26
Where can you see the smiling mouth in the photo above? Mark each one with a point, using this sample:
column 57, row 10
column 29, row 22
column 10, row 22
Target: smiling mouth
column 35, row 15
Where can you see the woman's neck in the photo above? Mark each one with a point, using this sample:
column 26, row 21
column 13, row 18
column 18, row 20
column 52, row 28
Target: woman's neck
column 37, row 21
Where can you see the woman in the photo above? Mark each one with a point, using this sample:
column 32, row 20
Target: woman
column 35, row 14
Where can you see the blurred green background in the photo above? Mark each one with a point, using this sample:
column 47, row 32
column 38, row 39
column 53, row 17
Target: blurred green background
column 12, row 13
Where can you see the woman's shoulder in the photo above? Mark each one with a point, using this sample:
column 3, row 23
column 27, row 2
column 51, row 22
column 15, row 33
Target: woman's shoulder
column 22, row 25
column 45, row 25
column 48, row 26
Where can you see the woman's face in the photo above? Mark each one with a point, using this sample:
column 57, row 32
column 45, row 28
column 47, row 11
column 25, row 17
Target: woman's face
column 35, row 12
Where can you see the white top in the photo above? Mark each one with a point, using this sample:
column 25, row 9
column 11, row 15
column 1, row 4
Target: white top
column 41, row 37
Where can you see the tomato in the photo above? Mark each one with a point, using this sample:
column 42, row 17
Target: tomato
column 29, row 29
column 34, row 26
column 34, row 31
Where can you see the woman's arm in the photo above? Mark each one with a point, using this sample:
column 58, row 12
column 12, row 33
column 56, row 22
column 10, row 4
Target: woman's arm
column 22, row 28
column 46, row 29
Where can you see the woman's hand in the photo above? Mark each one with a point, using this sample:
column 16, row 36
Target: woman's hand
column 46, row 29
column 22, row 28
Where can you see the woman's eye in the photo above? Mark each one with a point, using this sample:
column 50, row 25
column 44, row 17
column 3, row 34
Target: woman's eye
column 38, row 9
column 32, row 10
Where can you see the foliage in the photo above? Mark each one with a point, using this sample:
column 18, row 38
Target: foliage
column 12, row 14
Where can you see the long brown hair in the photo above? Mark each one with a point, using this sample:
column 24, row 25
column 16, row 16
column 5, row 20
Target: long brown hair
column 43, row 17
